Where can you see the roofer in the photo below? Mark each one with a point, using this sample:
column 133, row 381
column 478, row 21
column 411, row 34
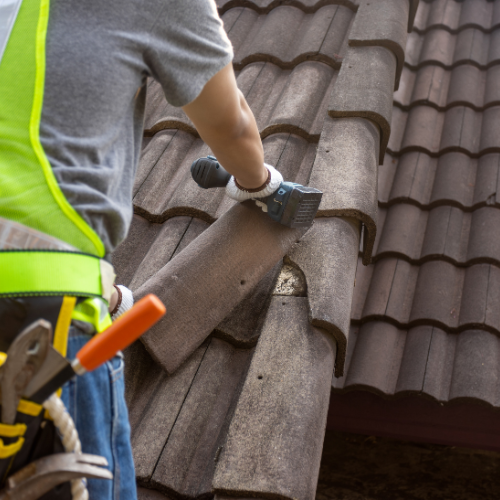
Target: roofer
column 72, row 94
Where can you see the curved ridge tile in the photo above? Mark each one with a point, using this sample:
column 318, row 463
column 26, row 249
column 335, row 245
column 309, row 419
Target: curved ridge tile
column 288, row 386
column 364, row 89
column 265, row 6
column 327, row 255
column 287, row 36
column 345, row 169
column 383, row 23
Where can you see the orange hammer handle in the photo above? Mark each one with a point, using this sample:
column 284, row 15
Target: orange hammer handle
column 127, row 328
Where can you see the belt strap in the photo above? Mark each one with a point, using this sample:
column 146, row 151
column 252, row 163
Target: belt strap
column 54, row 272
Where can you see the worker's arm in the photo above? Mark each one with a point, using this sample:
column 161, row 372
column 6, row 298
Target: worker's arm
column 225, row 122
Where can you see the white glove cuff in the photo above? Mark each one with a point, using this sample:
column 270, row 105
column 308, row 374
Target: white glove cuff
column 127, row 301
column 234, row 192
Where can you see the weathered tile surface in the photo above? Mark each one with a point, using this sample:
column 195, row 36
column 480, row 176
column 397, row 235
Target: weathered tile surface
column 425, row 314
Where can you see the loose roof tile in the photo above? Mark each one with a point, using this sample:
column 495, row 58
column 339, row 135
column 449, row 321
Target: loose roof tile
column 276, row 435
column 253, row 243
column 287, row 35
column 364, row 89
column 382, row 23
column 345, row 166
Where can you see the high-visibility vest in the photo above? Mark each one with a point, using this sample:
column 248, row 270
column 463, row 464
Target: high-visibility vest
column 29, row 192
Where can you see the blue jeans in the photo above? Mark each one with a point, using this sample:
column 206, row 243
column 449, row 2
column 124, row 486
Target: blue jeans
column 97, row 404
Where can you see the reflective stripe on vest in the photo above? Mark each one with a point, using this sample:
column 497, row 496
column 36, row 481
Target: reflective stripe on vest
column 29, row 192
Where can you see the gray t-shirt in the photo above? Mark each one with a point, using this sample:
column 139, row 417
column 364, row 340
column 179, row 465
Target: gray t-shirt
column 99, row 53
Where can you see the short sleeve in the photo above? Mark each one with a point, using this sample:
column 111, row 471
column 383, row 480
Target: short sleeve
column 188, row 46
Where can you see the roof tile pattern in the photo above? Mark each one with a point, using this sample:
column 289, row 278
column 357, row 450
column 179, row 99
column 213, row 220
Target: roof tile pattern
column 425, row 315
column 227, row 352
column 480, row 14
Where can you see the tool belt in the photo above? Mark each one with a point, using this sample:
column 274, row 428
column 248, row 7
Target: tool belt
column 60, row 287
column 33, row 435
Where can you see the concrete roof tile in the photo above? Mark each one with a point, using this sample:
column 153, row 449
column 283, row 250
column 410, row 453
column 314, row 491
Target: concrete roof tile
column 382, row 24
column 287, row 35
column 155, row 401
column 327, row 255
column 364, row 89
column 476, row 367
column 253, row 244
column 376, row 358
column 345, row 166
column 277, row 429
column 186, row 466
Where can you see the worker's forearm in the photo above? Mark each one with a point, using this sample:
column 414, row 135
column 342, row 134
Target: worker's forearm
column 225, row 122
column 239, row 148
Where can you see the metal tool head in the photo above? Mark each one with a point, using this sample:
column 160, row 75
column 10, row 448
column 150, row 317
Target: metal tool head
column 24, row 358
column 41, row 476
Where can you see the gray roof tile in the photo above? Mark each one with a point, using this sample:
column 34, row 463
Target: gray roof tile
column 382, row 24
column 279, row 422
column 345, row 166
column 365, row 87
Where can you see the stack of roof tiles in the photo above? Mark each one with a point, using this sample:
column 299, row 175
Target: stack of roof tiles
column 229, row 393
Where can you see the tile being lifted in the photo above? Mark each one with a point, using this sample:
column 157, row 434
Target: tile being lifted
column 382, row 23
column 205, row 281
column 287, row 36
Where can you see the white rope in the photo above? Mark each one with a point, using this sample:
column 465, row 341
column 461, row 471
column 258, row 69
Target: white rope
column 70, row 440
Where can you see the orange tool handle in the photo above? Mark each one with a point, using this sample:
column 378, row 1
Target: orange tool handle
column 127, row 328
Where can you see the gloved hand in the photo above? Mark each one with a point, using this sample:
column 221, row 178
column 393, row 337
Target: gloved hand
column 122, row 300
